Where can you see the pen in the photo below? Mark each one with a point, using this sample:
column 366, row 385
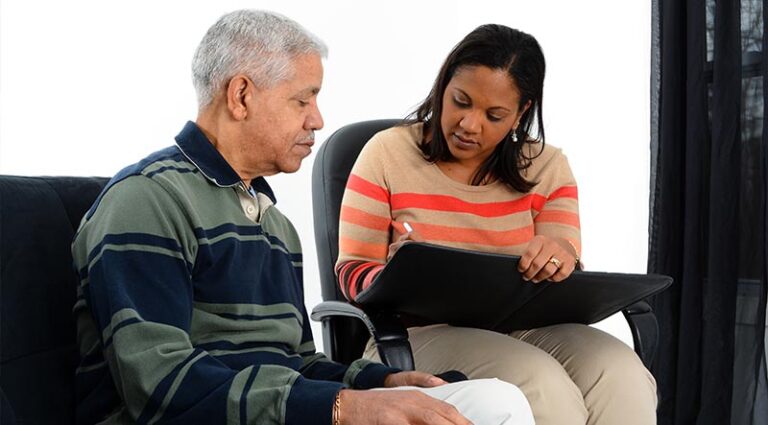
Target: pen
column 407, row 227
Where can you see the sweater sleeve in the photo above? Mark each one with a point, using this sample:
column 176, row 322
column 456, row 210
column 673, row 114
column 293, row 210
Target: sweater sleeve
column 558, row 214
column 365, row 221
column 135, row 256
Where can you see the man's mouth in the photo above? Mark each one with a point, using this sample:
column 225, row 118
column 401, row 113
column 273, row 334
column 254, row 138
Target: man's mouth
column 308, row 141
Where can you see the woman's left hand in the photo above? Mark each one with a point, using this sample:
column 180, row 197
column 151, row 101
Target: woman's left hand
column 547, row 258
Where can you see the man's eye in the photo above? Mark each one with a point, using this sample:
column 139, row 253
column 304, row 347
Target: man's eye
column 303, row 103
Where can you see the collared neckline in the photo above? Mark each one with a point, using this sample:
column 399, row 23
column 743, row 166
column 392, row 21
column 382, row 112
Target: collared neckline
column 199, row 150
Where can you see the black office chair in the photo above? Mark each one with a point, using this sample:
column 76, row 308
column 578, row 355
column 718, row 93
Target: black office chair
column 347, row 328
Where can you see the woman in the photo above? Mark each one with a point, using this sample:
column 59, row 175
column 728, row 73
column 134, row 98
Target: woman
column 470, row 169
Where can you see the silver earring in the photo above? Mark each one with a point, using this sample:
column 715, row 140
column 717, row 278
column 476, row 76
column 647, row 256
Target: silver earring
column 513, row 136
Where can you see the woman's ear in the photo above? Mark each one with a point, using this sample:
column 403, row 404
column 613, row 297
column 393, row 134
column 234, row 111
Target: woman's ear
column 239, row 91
column 525, row 108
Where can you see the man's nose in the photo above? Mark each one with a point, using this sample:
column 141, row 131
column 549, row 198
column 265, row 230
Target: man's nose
column 314, row 119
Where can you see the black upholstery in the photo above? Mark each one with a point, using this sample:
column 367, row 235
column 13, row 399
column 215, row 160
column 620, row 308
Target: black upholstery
column 330, row 171
column 347, row 328
column 344, row 337
column 38, row 353
column 7, row 416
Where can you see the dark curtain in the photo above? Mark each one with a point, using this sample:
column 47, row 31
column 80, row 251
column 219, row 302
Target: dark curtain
column 708, row 217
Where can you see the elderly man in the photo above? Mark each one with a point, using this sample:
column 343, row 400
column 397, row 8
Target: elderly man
column 191, row 304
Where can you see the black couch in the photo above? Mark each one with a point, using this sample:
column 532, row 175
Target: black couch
column 38, row 352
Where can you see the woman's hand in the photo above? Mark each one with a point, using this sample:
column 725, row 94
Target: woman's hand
column 547, row 258
column 404, row 238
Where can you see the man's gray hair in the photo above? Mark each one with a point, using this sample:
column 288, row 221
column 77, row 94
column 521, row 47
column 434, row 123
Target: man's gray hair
column 256, row 43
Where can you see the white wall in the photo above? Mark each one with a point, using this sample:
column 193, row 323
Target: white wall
column 87, row 87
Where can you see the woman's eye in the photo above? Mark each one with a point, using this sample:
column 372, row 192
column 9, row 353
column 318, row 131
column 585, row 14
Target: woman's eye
column 493, row 118
column 460, row 103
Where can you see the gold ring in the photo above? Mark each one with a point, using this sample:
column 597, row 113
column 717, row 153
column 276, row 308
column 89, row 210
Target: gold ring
column 557, row 263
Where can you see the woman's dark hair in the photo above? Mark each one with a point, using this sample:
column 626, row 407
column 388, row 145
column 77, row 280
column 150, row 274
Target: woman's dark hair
column 518, row 54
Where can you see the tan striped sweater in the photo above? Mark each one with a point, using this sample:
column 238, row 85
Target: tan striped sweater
column 392, row 183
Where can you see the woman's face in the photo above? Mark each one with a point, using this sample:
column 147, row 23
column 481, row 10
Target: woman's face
column 480, row 107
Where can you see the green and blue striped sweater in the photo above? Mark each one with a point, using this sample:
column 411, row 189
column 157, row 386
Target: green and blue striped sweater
column 189, row 312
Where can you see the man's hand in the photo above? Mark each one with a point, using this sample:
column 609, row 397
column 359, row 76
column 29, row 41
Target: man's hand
column 414, row 379
column 547, row 258
column 396, row 408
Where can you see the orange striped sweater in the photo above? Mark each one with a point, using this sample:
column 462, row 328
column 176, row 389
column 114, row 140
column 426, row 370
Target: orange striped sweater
column 391, row 182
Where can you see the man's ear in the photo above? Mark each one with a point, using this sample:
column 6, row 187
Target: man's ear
column 239, row 93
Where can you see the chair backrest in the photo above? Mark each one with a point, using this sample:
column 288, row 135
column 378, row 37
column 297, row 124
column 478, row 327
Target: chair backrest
column 38, row 352
column 344, row 338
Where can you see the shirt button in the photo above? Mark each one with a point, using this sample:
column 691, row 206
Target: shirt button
column 250, row 209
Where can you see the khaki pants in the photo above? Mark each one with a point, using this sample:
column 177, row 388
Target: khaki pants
column 571, row 374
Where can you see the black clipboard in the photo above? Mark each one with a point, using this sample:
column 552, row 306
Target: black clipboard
column 482, row 290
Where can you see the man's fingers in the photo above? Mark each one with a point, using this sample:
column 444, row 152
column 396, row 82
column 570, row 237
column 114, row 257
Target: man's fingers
column 413, row 378
column 421, row 379
column 441, row 412
column 429, row 417
column 451, row 413
column 398, row 407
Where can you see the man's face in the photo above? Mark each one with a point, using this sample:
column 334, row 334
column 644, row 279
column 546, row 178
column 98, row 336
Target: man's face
column 281, row 122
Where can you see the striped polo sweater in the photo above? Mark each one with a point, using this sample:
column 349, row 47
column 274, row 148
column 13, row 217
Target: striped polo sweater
column 392, row 183
column 190, row 312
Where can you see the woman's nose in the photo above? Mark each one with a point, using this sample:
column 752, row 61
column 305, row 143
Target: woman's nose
column 470, row 123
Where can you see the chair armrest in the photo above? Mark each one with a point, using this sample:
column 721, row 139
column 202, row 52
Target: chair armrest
column 638, row 308
column 327, row 309
column 387, row 329
column 645, row 330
